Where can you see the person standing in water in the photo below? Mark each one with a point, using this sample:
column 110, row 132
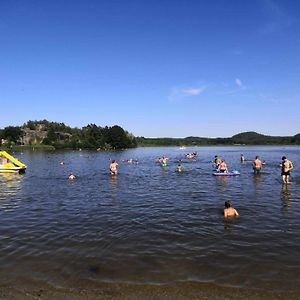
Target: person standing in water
column 230, row 211
column 113, row 167
column 242, row 158
column 179, row 167
column 286, row 167
column 163, row 160
column 257, row 165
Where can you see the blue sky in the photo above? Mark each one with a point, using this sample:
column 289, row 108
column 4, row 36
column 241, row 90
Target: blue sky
column 157, row 68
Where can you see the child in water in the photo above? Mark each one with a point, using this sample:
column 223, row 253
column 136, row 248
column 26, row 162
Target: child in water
column 113, row 167
column 229, row 211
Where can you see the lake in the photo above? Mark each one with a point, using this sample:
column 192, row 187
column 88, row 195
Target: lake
column 150, row 226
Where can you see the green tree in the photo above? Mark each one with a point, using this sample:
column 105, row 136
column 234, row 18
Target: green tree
column 12, row 134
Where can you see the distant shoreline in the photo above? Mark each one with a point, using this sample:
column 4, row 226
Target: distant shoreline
column 20, row 148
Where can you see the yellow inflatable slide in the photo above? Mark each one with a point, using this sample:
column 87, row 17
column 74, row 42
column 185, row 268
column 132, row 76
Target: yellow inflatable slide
column 9, row 164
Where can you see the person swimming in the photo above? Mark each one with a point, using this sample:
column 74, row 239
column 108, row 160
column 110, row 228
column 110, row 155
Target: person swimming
column 113, row 167
column 163, row 160
column 72, row 176
column 179, row 168
column 229, row 211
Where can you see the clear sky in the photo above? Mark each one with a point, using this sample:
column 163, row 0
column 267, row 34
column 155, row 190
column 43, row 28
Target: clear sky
column 157, row 68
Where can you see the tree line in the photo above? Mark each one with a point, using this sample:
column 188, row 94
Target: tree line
column 61, row 136
column 244, row 138
column 92, row 136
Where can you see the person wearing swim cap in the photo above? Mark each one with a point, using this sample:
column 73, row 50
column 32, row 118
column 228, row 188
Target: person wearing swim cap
column 286, row 167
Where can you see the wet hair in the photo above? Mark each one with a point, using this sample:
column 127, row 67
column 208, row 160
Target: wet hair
column 283, row 157
column 113, row 161
column 227, row 204
column 256, row 156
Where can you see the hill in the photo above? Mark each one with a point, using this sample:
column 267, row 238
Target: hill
column 243, row 138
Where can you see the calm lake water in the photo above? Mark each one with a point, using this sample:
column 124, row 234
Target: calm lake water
column 149, row 224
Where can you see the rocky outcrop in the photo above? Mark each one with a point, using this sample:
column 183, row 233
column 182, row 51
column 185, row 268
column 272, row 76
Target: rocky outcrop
column 31, row 137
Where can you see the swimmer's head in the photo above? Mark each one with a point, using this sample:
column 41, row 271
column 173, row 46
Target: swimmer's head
column 283, row 157
column 227, row 204
column 113, row 161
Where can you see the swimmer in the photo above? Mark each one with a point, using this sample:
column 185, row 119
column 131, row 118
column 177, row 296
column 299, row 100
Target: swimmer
column 113, row 167
column 179, row 168
column 163, row 160
column 257, row 165
column 242, row 158
column 217, row 160
column 223, row 167
column 229, row 211
column 286, row 167
column 72, row 176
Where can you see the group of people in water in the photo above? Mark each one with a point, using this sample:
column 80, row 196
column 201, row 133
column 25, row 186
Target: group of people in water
column 219, row 165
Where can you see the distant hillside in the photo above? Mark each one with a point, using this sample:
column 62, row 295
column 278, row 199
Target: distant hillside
column 254, row 138
column 244, row 138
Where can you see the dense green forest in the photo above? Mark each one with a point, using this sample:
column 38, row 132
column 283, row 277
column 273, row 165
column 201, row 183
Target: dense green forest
column 59, row 135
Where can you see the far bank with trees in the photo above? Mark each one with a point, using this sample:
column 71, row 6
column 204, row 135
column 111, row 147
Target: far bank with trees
column 53, row 135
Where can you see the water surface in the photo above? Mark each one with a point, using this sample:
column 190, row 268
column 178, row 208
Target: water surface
column 150, row 225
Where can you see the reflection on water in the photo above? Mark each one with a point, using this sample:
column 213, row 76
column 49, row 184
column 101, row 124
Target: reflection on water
column 257, row 182
column 10, row 185
column 113, row 183
column 285, row 197
column 222, row 182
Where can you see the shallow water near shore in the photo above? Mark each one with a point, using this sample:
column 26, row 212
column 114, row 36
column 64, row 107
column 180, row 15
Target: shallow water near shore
column 150, row 225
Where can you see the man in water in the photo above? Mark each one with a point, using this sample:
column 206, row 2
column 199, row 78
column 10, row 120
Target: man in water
column 257, row 165
column 229, row 211
column 223, row 167
column 113, row 167
column 286, row 167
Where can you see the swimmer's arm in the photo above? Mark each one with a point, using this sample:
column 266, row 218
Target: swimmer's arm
column 236, row 213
